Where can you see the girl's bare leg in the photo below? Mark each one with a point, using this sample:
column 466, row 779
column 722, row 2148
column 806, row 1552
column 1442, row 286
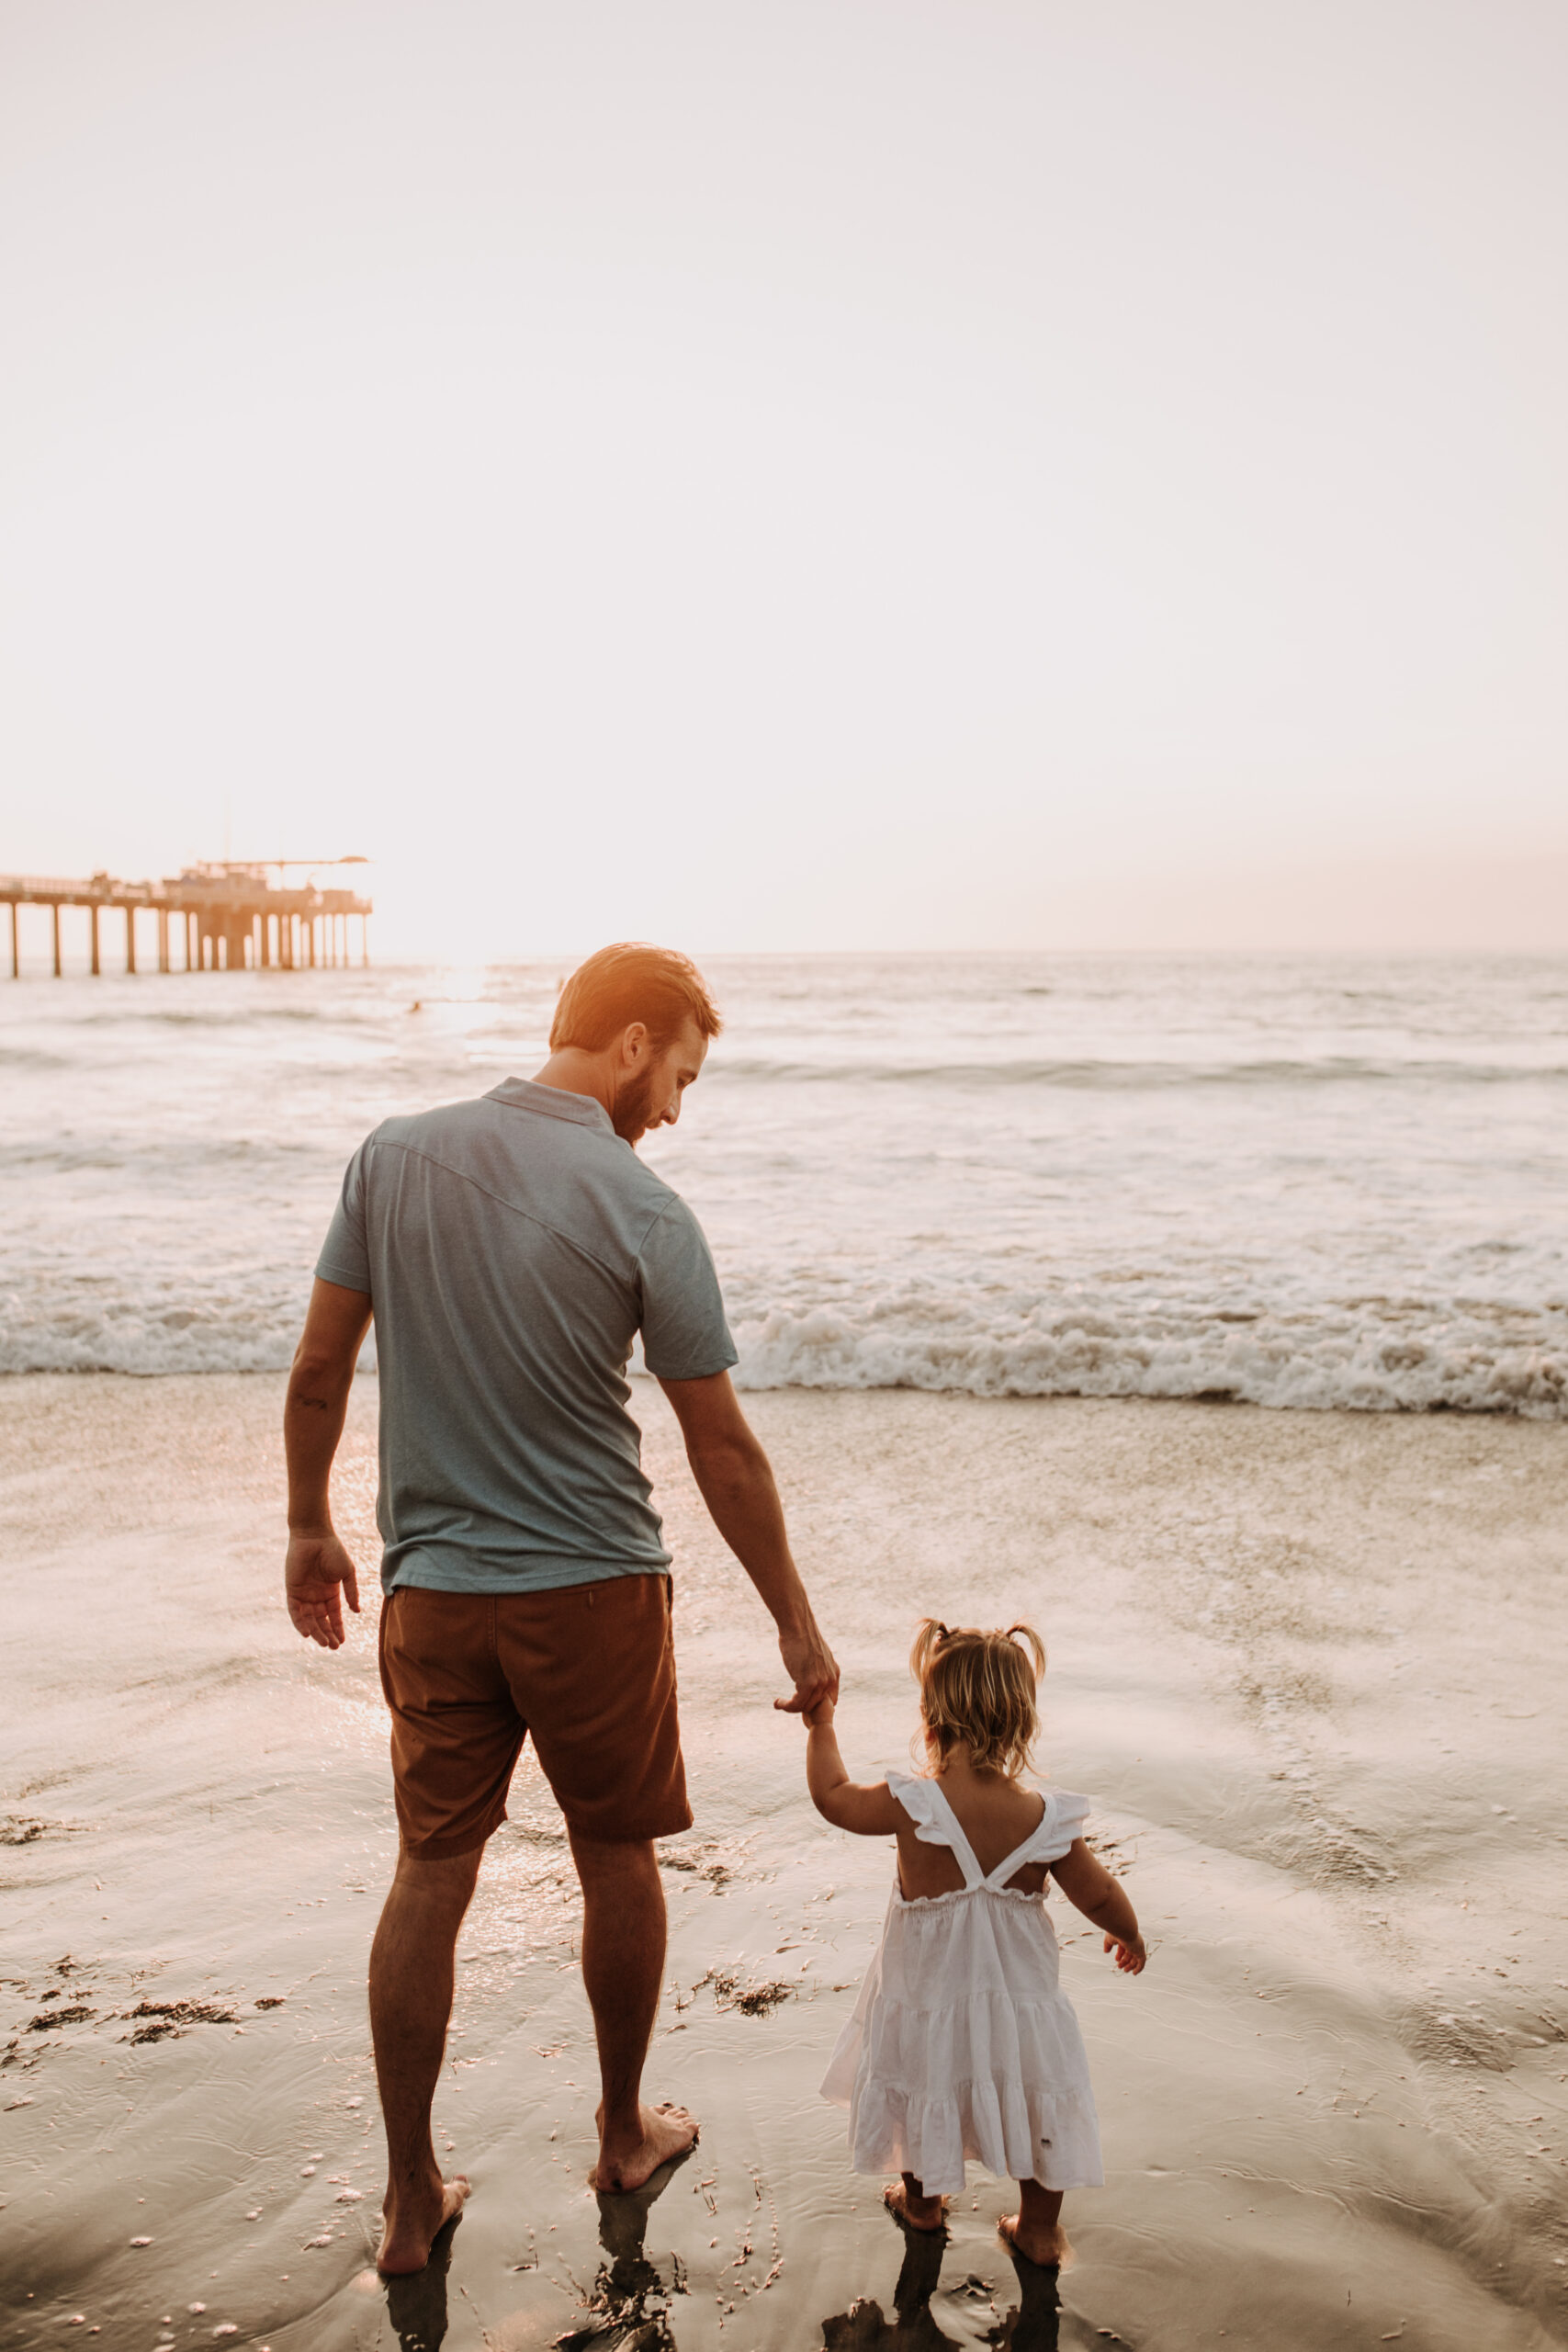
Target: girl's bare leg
column 1035, row 2229
column 906, row 2202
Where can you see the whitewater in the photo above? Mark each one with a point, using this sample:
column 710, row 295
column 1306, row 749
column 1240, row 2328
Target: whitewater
column 1303, row 1182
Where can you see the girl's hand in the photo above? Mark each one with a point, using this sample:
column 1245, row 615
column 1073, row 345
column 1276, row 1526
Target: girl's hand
column 1130, row 1953
column 820, row 1716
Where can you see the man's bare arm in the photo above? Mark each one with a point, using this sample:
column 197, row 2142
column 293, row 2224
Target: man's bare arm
column 735, row 1481
column 319, row 1572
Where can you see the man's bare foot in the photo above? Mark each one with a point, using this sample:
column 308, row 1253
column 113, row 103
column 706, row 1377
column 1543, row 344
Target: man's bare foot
column 1044, row 2243
column 927, row 2215
column 627, row 2160
column 408, row 2232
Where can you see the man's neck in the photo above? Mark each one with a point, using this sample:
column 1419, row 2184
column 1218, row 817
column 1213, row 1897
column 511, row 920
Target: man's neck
column 576, row 1071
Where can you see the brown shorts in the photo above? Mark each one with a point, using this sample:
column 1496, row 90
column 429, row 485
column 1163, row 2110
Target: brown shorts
column 588, row 1669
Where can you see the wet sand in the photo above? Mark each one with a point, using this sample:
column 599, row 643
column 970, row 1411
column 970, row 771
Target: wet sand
column 1310, row 1665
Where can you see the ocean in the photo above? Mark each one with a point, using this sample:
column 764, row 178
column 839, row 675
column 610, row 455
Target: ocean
column 1308, row 1181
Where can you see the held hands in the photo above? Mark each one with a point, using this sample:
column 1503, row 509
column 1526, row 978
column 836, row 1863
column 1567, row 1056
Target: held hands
column 318, row 1576
column 1130, row 1953
column 813, row 1670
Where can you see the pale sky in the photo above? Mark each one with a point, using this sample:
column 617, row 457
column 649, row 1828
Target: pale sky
column 932, row 473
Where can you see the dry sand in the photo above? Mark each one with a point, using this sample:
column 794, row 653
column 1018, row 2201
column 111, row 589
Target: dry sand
column 1311, row 1667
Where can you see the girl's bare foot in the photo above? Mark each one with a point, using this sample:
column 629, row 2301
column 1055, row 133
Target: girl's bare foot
column 627, row 2159
column 409, row 2228
column 1044, row 2242
column 905, row 2203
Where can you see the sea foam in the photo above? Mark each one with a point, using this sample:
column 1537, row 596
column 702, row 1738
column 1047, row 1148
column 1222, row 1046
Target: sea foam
column 1365, row 1366
column 1362, row 1367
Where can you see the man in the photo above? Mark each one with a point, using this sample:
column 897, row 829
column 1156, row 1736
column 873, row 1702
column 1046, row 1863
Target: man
column 509, row 1250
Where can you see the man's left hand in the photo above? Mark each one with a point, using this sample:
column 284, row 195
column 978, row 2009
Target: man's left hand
column 318, row 1576
column 811, row 1667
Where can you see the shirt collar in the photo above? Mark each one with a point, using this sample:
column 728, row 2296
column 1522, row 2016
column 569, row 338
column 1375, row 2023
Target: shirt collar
column 551, row 1102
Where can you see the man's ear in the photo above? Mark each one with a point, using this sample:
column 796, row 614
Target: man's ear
column 633, row 1042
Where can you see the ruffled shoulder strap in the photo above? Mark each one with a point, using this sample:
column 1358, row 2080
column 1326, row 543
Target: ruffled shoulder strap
column 1062, row 1821
column 935, row 1822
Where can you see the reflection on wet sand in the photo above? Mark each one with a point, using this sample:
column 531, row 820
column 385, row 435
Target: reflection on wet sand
column 416, row 2304
column 1032, row 2324
column 629, row 2300
column 631, row 2295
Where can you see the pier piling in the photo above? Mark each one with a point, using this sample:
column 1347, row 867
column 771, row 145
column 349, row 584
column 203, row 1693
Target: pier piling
column 227, row 913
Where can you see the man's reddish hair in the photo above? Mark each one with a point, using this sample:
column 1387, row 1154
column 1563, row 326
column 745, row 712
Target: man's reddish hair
column 632, row 982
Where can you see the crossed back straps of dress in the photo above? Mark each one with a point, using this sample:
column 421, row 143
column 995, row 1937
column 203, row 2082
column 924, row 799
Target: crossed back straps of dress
column 967, row 1860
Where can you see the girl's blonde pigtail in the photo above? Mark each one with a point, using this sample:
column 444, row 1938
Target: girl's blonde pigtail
column 1028, row 1639
column 930, row 1635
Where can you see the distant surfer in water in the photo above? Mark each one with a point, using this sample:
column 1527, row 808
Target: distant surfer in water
column 509, row 1250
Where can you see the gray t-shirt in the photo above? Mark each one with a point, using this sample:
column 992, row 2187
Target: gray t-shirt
column 513, row 1248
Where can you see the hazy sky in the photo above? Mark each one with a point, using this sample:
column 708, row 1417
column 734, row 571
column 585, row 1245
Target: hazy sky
column 805, row 474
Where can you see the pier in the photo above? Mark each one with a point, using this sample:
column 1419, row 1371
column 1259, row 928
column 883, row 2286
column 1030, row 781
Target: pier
column 212, row 917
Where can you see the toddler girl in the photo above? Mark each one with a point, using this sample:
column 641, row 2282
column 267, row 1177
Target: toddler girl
column 962, row 2042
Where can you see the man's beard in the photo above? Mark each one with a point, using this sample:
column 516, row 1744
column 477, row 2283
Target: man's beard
column 629, row 1117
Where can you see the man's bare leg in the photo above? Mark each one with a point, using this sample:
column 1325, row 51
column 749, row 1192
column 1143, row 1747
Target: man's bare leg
column 411, row 2008
column 623, row 1969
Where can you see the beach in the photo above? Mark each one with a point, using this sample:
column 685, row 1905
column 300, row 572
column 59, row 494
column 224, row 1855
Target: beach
column 1026, row 549
column 1308, row 1665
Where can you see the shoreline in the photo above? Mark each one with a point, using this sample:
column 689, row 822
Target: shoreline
column 1210, row 1399
column 1302, row 1660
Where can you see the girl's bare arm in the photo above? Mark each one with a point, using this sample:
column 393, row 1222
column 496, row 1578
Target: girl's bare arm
column 869, row 1809
column 1089, row 1887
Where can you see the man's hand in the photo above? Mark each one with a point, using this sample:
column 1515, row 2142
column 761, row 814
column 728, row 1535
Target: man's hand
column 813, row 1670
column 318, row 1571
column 318, row 1576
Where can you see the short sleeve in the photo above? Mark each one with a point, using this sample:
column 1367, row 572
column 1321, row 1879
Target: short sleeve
column 345, row 1256
column 1062, row 1821
column 919, row 1800
column 684, row 1334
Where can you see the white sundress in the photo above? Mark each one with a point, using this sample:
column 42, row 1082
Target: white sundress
column 962, row 2043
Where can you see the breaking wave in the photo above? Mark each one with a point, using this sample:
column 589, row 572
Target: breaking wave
column 1441, row 1364
column 1363, row 1356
